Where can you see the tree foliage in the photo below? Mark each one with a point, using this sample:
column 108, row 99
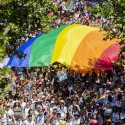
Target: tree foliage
column 19, row 17
column 114, row 13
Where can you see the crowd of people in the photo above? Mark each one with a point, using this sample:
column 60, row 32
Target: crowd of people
column 76, row 12
column 59, row 96
column 39, row 97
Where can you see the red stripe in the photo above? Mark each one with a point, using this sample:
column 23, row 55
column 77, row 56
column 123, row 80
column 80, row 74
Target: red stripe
column 107, row 58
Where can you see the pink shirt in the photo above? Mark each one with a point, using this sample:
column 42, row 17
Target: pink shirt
column 94, row 122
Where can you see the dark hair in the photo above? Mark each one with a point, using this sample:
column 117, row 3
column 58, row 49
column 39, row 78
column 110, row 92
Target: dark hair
column 29, row 116
column 29, row 111
column 15, row 104
column 25, row 98
column 58, row 114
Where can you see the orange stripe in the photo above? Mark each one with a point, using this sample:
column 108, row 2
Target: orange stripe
column 89, row 50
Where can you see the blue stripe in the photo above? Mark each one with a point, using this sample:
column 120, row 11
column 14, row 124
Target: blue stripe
column 25, row 49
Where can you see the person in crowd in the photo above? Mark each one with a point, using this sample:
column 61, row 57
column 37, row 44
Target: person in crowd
column 40, row 119
column 17, row 110
column 29, row 121
column 94, row 121
column 9, row 115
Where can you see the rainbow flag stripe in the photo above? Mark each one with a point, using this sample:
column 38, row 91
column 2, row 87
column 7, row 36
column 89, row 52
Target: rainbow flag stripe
column 101, row 99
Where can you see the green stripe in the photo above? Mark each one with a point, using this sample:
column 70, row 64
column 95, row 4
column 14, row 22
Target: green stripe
column 42, row 48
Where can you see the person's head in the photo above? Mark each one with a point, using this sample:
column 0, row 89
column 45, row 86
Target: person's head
column 52, row 91
column 97, row 106
column 75, row 108
column 30, row 102
column 58, row 116
column 38, row 107
column 74, row 102
column 21, row 99
column 62, row 102
column 41, row 111
column 17, row 104
column 30, row 112
column 122, row 93
column 108, row 105
column 7, row 106
column 52, row 103
column 27, row 105
column 38, row 90
column 29, row 117
column 1, row 101
column 25, row 99
column 33, row 88
column 18, row 118
column 28, row 95
column 94, row 117
column 34, row 96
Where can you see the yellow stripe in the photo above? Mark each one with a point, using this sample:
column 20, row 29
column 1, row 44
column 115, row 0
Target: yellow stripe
column 102, row 97
column 68, row 41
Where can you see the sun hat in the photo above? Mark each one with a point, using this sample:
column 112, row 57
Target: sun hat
column 62, row 101
column 39, row 107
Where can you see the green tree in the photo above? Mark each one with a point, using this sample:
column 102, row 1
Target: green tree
column 20, row 17
column 114, row 13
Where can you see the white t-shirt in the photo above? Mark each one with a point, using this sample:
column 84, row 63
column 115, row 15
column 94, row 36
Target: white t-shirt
column 36, row 113
column 26, row 110
column 62, row 75
column 23, row 105
column 95, row 112
column 70, row 108
column 69, row 123
column 57, row 122
column 63, row 112
column 9, row 114
column 40, row 120
column 76, row 122
column 118, row 103
column 52, row 108
column 4, row 119
column 19, row 122
column 122, row 115
column 70, row 88
column 29, row 123
column 80, row 99
column 108, row 111
column 101, row 90
column 115, row 117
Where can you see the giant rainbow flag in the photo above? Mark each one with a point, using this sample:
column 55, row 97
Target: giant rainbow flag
column 77, row 46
